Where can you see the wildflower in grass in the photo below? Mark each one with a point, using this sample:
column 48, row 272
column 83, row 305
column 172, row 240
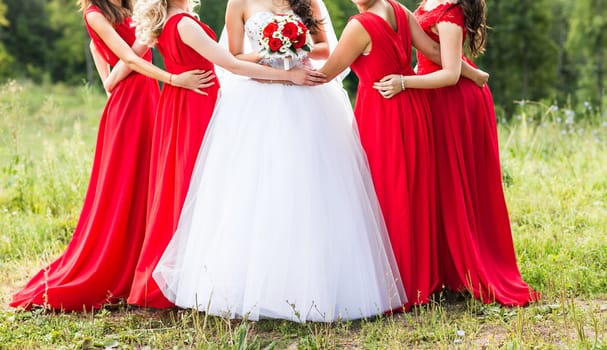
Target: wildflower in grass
column 570, row 120
column 569, row 114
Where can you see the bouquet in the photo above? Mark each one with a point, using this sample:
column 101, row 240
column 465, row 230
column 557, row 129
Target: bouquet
column 285, row 36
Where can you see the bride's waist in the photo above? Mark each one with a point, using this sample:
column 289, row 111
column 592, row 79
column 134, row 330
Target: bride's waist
column 283, row 61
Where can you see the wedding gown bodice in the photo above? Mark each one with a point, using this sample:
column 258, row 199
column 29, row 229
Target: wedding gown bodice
column 254, row 28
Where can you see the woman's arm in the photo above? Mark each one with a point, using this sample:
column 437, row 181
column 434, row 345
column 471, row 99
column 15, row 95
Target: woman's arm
column 195, row 37
column 431, row 49
column 451, row 53
column 234, row 22
column 354, row 42
column 122, row 70
column 320, row 50
column 106, row 32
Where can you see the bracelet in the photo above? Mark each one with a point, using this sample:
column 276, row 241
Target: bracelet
column 170, row 78
column 402, row 83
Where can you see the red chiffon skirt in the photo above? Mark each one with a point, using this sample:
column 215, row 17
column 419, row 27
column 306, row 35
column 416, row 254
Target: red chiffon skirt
column 396, row 134
column 98, row 264
column 476, row 247
column 182, row 120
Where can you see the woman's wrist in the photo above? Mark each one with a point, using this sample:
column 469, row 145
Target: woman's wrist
column 402, row 83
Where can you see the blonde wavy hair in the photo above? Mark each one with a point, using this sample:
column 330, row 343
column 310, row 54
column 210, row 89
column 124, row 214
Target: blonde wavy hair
column 150, row 16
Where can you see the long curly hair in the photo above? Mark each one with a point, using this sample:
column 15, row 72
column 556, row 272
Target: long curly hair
column 150, row 16
column 475, row 20
column 114, row 14
column 303, row 9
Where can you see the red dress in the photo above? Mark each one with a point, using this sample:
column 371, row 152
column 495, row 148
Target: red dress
column 98, row 264
column 182, row 119
column 476, row 248
column 396, row 135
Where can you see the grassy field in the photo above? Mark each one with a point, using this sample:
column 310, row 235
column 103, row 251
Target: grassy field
column 555, row 172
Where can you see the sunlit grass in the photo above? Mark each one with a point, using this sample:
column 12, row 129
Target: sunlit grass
column 555, row 173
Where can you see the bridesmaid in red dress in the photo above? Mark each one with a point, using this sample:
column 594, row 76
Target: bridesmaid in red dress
column 478, row 254
column 396, row 134
column 98, row 263
column 180, row 124
column 476, row 248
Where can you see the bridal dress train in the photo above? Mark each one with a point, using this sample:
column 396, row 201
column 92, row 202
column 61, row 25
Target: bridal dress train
column 281, row 219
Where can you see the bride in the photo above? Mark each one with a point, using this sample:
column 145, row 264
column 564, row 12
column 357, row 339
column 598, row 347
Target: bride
column 281, row 219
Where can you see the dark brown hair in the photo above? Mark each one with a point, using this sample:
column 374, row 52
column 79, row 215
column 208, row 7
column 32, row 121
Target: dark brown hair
column 303, row 9
column 475, row 20
column 114, row 14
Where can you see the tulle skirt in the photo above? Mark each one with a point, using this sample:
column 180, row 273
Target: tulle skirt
column 281, row 219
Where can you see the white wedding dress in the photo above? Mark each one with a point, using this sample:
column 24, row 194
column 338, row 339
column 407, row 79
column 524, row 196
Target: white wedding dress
column 281, row 218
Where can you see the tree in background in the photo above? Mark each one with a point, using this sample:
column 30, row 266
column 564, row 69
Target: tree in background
column 69, row 50
column 27, row 38
column 6, row 60
column 212, row 12
column 565, row 68
column 520, row 56
column 542, row 49
column 586, row 43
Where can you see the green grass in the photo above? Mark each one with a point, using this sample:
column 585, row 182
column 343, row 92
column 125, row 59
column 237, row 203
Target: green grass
column 555, row 172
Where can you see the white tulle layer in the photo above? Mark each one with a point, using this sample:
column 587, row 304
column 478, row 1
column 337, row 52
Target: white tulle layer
column 281, row 219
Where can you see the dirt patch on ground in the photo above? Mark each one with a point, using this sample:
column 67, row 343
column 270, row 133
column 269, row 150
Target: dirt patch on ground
column 12, row 278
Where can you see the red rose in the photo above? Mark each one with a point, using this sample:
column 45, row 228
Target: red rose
column 300, row 42
column 302, row 27
column 290, row 31
column 270, row 29
column 275, row 44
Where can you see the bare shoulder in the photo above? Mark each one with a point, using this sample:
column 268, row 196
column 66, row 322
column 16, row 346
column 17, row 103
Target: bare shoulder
column 315, row 5
column 190, row 30
column 186, row 22
column 237, row 5
column 97, row 21
column 355, row 29
column 95, row 16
